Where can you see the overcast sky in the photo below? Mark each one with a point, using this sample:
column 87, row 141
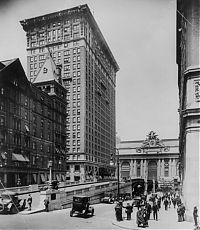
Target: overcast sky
column 141, row 36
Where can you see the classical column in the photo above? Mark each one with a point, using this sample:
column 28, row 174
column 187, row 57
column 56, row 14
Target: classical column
column 170, row 167
column 145, row 169
column 163, row 168
column 141, row 168
column 135, row 169
column 173, row 168
column 132, row 169
column 158, row 169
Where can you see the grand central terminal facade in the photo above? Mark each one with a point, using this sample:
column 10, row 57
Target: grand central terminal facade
column 152, row 160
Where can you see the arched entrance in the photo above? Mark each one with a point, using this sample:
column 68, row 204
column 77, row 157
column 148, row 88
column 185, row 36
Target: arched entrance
column 152, row 170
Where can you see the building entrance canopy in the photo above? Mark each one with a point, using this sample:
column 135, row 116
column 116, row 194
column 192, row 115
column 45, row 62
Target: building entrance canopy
column 19, row 157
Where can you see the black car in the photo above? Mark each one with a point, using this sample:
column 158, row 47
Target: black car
column 81, row 205
column 10, row 203
column 108, row 198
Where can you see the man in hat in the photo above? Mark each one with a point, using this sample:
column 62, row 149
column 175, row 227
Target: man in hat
column 129, row 210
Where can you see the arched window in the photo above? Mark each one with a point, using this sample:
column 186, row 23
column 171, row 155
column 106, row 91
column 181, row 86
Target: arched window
column 125, row 170
column 138, row 168
column 152, row 170
column 166, row 167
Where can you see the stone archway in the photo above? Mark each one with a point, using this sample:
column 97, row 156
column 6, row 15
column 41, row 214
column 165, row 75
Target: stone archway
column 152, row 170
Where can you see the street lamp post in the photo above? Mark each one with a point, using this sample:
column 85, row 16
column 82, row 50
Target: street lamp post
column 50, row 171
column 118, row 184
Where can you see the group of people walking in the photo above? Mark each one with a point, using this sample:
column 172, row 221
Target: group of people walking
column 153, row 206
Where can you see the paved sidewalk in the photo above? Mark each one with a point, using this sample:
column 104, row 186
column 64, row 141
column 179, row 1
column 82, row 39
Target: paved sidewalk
column 166, row 220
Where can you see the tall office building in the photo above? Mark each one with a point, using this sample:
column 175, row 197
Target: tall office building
column 89, row 74
column 188, row 25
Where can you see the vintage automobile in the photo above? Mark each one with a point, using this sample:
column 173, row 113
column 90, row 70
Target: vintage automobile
column 10, row 203
column 81, row 206
column 137, row 200
column 108, row 198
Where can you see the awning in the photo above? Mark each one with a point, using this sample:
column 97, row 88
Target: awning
column 3, row 155
column 27, row 128
column 42, row 177
column 26, row 158
column 34, row 177
column 18, row 157
column 63, row 177
column 58, row 177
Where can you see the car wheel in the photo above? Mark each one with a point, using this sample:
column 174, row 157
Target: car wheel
column 13, row 209
column 71, row 213
column 1, row 208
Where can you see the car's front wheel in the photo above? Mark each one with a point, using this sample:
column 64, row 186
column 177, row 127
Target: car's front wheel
column 71, row 213
column 1, row 208
column 92, row 212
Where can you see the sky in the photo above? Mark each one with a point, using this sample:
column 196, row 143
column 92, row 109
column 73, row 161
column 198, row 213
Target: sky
column 141, row 36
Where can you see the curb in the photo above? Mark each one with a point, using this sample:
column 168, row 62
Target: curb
column 124, row 225
column 31, row 212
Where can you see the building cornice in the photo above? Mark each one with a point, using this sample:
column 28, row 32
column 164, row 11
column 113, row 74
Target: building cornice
column 192, row 70
column 84, row 11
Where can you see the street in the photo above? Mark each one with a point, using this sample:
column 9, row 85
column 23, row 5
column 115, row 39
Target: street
column 104, row 218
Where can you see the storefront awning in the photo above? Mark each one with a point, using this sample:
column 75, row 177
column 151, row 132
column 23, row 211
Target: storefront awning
column 26, row 158
column 27, row 128
column 3, row 155
column 63, row 177
column 42, row 177
column 58, row 177
column 34, row 177
column 18, row 157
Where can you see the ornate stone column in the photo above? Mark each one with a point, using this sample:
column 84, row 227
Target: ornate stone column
column 162, row 168
column 170, row 167
column 135, row 169
column 141, row 168
column 158, row 169
column 131, row 169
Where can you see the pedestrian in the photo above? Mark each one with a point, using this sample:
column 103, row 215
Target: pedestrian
column 183, row 212
column 148, row 208
column 169, row 202
column 195, row 215
column 155, row 211
column 141, row 217
column 29, row 201
column 166, row 203
column 129, row 210
column 159, row 203
column 174, row 202
column 118, row 211
column 179, row 213
column 46, row 204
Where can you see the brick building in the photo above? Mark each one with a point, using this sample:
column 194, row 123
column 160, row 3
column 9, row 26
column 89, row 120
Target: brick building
column 32, row 125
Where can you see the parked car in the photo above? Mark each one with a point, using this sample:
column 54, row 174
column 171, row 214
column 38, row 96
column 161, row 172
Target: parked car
column 137, row 201
column 81, row 205
column 108, row 198
column 10, row 203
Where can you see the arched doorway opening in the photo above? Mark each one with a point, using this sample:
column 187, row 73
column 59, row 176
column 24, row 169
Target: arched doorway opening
column 125, row 170
column 152, row 170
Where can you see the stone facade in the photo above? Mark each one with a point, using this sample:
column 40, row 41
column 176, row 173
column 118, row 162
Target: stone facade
column 150, row 159
column 188, row 24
